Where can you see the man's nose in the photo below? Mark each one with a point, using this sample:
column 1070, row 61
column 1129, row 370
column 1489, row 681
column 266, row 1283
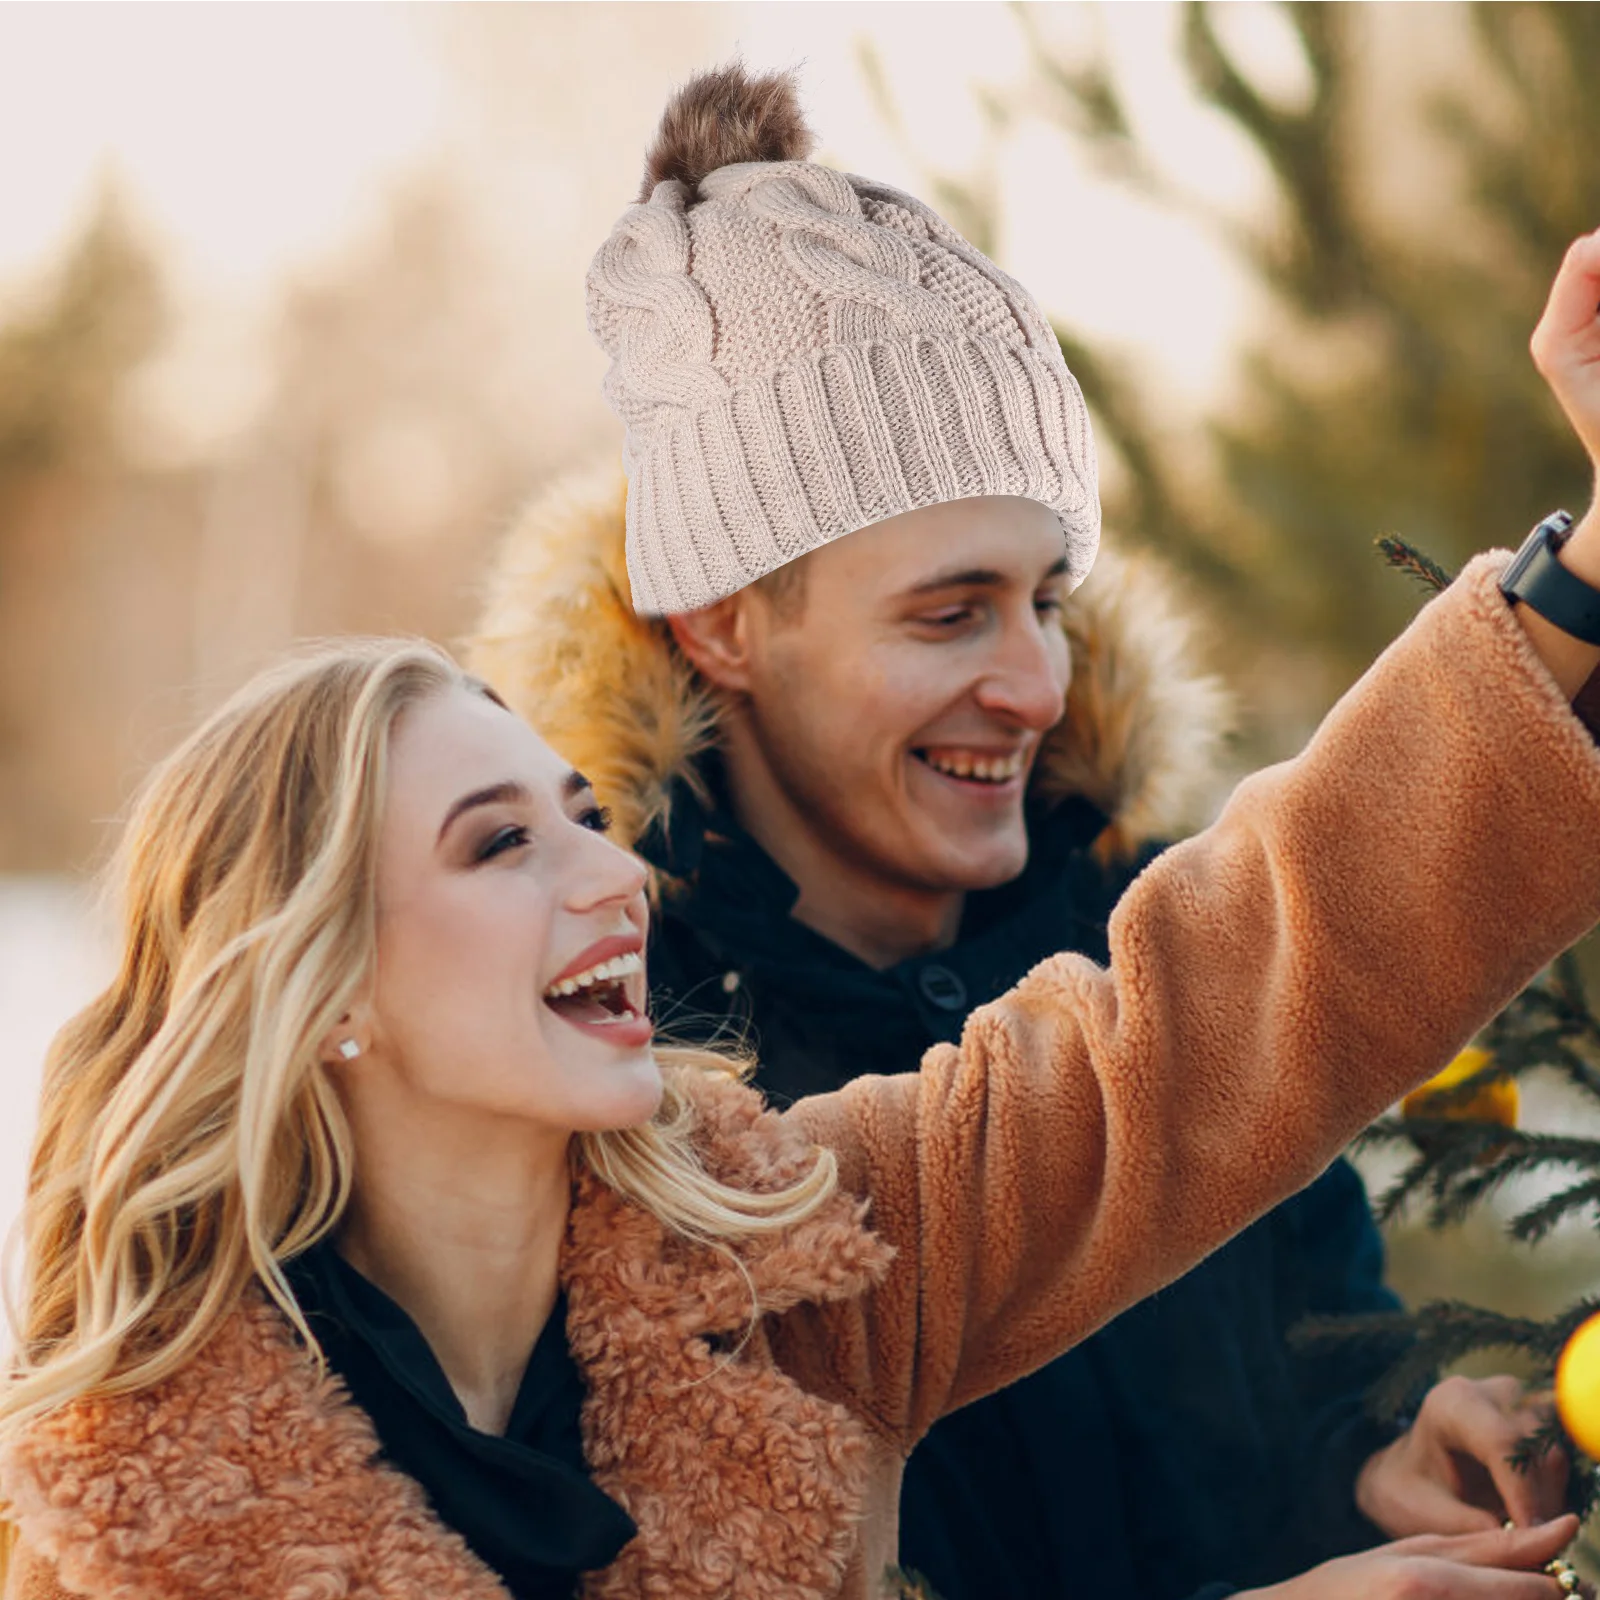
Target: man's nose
column 1028, row 680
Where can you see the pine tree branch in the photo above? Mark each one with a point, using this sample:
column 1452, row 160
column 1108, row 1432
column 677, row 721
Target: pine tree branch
column 1421, row 1344
column 1534, row 1224
column 1407, row 558
column 1460, row 1163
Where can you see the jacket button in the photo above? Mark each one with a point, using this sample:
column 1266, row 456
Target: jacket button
column 941, row 987
column 730, row 982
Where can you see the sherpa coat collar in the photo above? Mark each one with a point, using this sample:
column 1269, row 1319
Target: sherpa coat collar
column 246, row 1476
column 558, row 638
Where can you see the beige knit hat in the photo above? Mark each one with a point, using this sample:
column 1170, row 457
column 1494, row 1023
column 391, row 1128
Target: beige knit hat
column 797, row 353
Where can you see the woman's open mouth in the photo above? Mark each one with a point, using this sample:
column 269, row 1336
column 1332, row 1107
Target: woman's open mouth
column 606, row 999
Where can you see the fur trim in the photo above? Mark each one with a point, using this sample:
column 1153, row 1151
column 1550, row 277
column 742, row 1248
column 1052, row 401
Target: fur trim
column 559, row 639
column 725, row 116
column 743, row 1485
column 246, row 1476
column 242, row 1475
column 1143, row 729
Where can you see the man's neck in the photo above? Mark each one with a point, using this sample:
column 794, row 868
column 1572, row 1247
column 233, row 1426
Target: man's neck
column 877, row 918
column 873, row 926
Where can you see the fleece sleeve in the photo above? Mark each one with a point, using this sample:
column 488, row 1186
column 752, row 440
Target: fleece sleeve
column 1352, row 917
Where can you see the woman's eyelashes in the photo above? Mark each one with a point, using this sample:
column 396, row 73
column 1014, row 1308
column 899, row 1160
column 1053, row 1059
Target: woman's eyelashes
column 515, row 835
column 596, row 818
column 512, row 837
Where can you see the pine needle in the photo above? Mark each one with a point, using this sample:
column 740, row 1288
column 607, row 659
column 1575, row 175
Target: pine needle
column 1407, row 558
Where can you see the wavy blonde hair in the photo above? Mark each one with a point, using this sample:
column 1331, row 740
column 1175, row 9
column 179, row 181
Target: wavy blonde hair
column 189, row 1138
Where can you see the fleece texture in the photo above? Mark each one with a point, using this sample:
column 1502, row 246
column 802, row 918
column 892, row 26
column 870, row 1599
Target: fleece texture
column 1348, row 922
column 559, row 641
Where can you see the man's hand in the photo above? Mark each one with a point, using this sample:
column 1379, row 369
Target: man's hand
column 1501, row 1565
column 1451, row 1471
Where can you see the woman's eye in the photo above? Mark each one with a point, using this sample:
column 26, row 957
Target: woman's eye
column 498, row 843
column 1048, row 605
column 597, row 819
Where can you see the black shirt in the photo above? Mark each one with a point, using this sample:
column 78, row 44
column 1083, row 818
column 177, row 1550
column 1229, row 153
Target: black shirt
column 523, row 1500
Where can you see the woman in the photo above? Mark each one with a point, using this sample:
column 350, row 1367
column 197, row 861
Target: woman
column 373, row 1090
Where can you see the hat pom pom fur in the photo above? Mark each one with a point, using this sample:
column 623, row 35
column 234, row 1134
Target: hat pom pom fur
column 725, row 116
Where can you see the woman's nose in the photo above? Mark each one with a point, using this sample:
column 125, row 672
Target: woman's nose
column 608, row 874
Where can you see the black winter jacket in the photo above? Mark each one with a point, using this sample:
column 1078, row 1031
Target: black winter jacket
column 1183, row 1451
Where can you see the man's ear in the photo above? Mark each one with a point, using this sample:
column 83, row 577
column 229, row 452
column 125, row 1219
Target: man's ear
column 716, row 639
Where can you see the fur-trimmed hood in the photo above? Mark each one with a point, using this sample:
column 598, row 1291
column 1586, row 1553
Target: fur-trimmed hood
column 558, row 638
column 246, row 1476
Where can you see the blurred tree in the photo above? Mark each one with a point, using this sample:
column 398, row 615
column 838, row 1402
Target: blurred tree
column 64, row 359
column 68, row 353
column 1389, row 389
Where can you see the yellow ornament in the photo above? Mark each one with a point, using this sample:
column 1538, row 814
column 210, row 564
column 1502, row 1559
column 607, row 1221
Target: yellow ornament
column 1494, row 1100
column 1578, row 1387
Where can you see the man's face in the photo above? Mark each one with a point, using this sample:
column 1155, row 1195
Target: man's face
column 899, row 703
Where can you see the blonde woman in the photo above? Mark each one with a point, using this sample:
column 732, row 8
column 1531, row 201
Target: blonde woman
column 372, row 1249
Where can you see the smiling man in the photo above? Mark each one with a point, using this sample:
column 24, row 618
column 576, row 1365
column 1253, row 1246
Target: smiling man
column 829, row 667
column 883, row 713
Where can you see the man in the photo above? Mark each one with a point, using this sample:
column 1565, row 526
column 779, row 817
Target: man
column 883, row 775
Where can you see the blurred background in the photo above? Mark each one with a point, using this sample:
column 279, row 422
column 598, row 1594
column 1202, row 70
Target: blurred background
column 291, row 322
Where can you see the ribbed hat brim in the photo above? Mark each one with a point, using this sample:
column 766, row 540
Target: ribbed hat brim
column 837, row 439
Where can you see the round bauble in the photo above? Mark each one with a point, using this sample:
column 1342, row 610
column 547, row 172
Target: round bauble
column 1578, row 1388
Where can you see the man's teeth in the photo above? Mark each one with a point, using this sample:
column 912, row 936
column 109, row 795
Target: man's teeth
column 989, row 769
column 606, row 972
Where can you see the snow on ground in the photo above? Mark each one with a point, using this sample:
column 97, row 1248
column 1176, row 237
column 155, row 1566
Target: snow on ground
column 53, row 957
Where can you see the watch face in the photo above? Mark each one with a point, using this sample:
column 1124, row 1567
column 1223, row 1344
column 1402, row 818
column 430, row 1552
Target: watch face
column 1523, row 559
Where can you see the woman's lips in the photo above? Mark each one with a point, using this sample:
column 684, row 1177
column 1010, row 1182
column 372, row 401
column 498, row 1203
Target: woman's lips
column 627, row 1030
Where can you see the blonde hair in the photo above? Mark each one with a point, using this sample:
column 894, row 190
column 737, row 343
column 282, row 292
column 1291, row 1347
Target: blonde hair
column 189, row 1139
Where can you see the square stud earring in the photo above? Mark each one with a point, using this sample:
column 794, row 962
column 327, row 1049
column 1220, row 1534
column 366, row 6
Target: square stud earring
column 349, row 1049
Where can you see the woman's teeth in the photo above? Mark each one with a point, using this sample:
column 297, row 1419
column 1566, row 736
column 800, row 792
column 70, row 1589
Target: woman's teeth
column 607, row 972
column 986, row 769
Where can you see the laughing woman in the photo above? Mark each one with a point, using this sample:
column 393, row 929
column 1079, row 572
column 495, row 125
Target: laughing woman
column 372, row 1249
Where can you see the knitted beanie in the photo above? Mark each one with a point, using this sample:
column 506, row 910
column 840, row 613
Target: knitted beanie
column 797, row 353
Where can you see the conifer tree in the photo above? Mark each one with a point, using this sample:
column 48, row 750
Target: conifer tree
column 1390, row 389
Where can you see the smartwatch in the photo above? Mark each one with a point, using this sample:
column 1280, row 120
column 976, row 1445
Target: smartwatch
column 1540, row 582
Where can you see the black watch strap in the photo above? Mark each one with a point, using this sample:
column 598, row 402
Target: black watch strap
column 1540, row 582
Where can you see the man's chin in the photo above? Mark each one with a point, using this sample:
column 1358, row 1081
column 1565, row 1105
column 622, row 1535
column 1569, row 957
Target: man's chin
column 972, row 871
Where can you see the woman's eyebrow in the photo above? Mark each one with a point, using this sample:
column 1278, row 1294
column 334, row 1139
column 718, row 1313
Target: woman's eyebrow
column 508, row 792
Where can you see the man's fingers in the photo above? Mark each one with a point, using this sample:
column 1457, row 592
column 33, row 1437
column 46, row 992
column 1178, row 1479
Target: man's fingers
column 1536, row 1491
column 1517, row 1549
column 1488, row 1422
column 1432, row 1506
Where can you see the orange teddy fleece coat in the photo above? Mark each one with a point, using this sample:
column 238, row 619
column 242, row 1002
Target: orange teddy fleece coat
column 1349, row 921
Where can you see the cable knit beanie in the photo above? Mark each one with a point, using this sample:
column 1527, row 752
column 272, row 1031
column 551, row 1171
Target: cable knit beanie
column 797, row 353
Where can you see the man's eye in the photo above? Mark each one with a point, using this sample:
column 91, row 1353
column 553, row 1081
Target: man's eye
column 953, row 618
column 511, row 838
column 1048, row 605
column 597, row 819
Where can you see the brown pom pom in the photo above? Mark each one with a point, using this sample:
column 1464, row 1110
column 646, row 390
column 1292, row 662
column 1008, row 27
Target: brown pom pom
column 724, row 116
